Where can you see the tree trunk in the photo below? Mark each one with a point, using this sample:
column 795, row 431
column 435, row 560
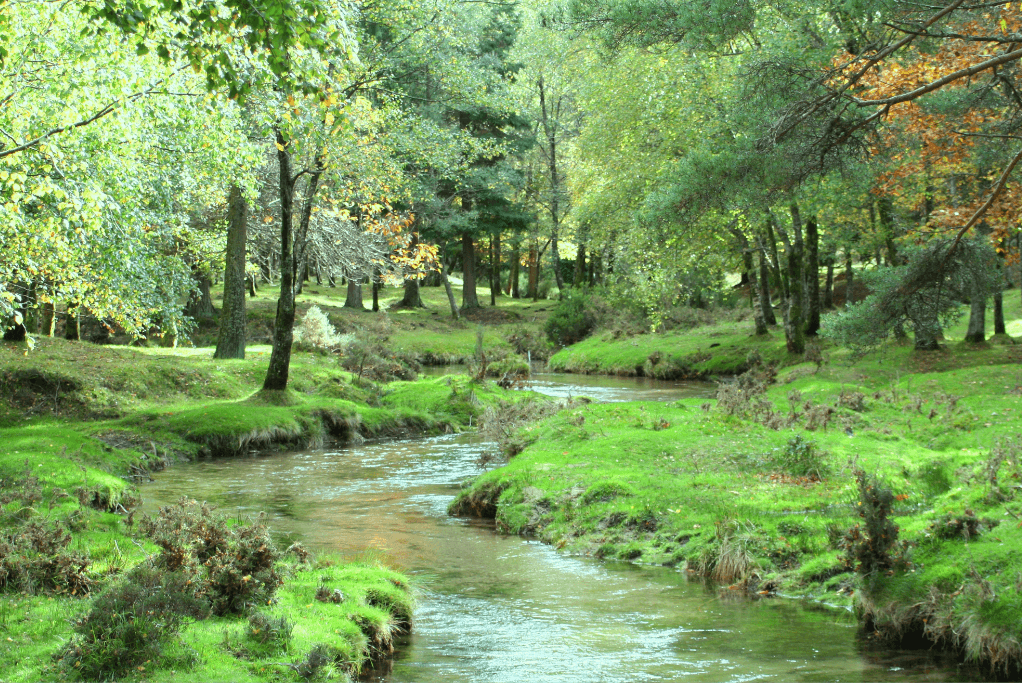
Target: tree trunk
column 513, row 274
column 375, row 293
column 411, row 294
column 252, row 286
column 764, row 293
column 811, row 278
column 885, row 218
column 72, row 330
column 771, row 250
column 580, row 271
column 926, row 335
column 997, row 313
column 469, row 299
column 533, row 274
column 555, row 182
column 200, row 303
column 49, row 317
column 976, row 323
column 794, row 318
column 495, row 268
column 830, row 271
column 354, row 295
column 281, row 351
column 448, row 290
column 758, row 306
column 231, row 335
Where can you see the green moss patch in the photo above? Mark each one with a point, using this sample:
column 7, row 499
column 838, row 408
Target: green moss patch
column 764, row 497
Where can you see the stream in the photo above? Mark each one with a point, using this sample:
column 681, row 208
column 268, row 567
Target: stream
column 494, row 608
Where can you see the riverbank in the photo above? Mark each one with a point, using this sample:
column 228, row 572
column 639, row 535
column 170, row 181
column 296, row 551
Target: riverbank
column 760, row 490
column 79, row 423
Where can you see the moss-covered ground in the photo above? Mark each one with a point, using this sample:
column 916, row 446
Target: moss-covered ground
column 759, row 491
column 80, row 422
column 721, row 348
column 428, row 334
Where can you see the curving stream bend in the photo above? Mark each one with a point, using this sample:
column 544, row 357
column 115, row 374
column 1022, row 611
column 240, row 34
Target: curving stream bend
column 501, row 609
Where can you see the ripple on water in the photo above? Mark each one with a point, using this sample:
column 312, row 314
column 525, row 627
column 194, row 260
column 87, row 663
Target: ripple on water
column 505, row 609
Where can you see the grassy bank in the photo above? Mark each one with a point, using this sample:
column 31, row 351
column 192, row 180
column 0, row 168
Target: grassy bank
column 79, row 423
column 759, row 490
column 709, row 350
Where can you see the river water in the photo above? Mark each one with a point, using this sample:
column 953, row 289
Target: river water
column 494, row 608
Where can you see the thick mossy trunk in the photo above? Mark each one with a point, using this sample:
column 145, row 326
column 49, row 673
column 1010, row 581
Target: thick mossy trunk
column 231, row 335
column 200, row 303
column 794, row 317
column 760, row 328
column 579, row 273
column 926, row 335
column 976, row 323
column 411, row 294
column 354, row 295
column 469, row 299
column 48, row 319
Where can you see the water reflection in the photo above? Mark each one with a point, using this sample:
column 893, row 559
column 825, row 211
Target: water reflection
column 501, row 609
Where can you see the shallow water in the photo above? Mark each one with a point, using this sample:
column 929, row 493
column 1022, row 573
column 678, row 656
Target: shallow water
column 506, row 609
column 601, row 388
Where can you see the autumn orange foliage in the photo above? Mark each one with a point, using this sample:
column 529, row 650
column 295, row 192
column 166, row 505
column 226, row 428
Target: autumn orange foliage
column 933, row 156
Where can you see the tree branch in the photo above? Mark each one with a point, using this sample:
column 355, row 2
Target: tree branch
column 996, row 189
column 945, row 80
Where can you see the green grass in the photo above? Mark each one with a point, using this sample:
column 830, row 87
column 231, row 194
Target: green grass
column 78, row 420
column 711, row 350
column 427, row 334
column 725, row 496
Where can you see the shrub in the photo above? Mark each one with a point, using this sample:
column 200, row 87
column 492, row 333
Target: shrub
column 874, row 547
column 800, row 457
column 235, row 566
column 966, row 526
column 131, row 622
column 367, row 353
column 316, row 333
column 266, row 635
column 34, row 557
column 572, row 318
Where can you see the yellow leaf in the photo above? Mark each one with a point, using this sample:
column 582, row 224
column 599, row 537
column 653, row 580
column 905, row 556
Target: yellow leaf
column 279, row 146
column 329, row 119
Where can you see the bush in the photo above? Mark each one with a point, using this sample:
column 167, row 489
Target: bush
column 234, row 566
column 874, row 547
column 131, row 622
column 266, row 635
column 368, row 354
column 316, row 333
column 34, row 557
column 572, row 318
column 801, row 458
